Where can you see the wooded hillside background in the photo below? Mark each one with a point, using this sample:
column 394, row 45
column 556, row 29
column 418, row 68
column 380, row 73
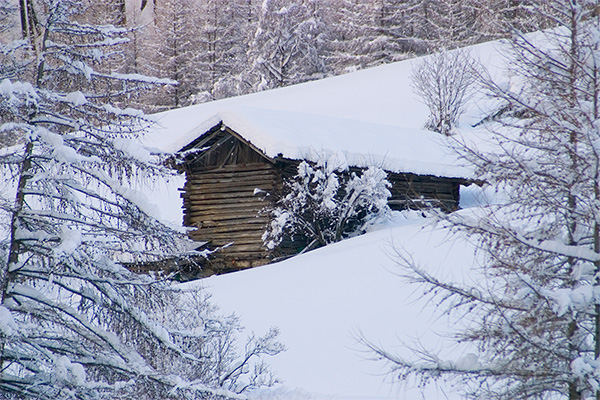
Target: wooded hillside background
column 222, row 48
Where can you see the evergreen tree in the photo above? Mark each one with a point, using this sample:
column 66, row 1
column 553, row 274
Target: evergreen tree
column 535, row 320
column 74, row 323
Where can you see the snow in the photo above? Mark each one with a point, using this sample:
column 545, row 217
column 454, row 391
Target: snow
column 162, row 200
column 133, row 149
column 69, row 241
column 70, row 371
column 8, row 326
column 367, row 117
column 298, row 136
column 371, row 117
column 323, row 299
column 76, row 98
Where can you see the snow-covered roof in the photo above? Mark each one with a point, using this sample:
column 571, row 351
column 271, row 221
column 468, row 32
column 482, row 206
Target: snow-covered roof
column 370, row 117
column 310, row 137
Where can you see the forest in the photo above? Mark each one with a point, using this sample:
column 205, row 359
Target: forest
column 215, row 49
column 75, row 323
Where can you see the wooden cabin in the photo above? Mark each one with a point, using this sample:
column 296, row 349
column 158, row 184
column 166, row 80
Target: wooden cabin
column 230, row 182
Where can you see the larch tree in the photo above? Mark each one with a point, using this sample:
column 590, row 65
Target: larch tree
column 534, row 320
column 404, row 28
column 74, row 323
column 357, row 39
column 225, row 31
column 286, row 45
column 171, row 50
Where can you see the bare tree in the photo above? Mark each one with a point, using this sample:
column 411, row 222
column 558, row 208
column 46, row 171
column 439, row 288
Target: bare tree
column 443, row 81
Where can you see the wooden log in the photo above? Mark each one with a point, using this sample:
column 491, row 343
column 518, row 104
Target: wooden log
column 247, row 166
column 226, row 247
column 230, row 201
column 218, row 196
column 216, row 241
column 238, row 177
column 213, row 235
column 246, row 186
column 258, row 248
column 230, row 223
column 237, row 221
column 251, row 256
column 227, row 211
column 232, row 171
column 213, row 196
column 232, row 176
column 229, row 232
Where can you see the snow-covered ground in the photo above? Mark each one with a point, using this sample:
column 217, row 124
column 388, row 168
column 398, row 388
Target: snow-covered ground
column 368, row 117
column 321, row 301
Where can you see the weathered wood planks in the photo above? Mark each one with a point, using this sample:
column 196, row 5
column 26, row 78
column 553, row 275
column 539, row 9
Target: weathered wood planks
column 225, row 205
column 229, row 186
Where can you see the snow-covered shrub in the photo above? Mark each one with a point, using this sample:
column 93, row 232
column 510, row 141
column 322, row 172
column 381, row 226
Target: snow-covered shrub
column 443, row 81
column 325, row 203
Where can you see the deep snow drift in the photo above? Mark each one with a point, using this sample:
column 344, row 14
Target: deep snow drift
column 321, row 301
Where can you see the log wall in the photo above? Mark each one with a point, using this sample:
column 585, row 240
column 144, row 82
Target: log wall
column 221, row 203
column 421, row 191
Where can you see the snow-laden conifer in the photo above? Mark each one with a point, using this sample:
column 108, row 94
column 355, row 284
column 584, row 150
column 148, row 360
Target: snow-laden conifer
column 74, row 323
column 533, row 323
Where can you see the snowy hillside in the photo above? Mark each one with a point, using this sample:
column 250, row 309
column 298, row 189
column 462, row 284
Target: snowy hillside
column 324, row 299
column 330, row 115
column 321, row 301
column 494, row 295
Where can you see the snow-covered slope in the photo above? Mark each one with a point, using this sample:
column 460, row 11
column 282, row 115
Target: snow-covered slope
column 381, row 95
column 321, row 301
column 365, row 117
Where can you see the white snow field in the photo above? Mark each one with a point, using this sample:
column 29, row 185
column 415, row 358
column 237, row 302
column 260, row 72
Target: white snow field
column 368, row 117
column 322, row 300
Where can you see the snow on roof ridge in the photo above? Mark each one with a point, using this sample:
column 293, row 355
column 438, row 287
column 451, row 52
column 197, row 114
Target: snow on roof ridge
column 378, row 96
column 303, row 136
